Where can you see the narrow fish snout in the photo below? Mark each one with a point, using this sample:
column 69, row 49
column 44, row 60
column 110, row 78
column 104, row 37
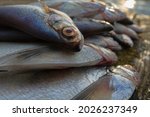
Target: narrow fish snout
column 108, row 56
column 136, row 75
column 106, row 42
column 128, row 72
column 76, row 44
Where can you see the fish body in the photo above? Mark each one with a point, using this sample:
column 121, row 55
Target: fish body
column 34, row 56
column 88, row 9
column 119, row 84
column 47, row 84
column 106, row 42
column 74, row 83
column 86, row 27
column 92, row 26
column 123, row 39
column 136, row 28
column 121, row 29
column 50, row 25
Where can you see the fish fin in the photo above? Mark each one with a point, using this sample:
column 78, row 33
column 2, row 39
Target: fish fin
column 95, row 89
column 86, row 93
column 29, row 53
column 22, row 55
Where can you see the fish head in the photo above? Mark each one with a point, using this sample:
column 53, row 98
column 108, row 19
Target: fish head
column 108, row 56
column 68, row 32
column 129, row 72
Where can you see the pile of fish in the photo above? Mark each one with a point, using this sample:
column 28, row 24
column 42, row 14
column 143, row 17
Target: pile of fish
column 65, row 50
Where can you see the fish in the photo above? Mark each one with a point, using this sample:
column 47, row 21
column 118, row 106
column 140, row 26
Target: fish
column 106, row 42
column 121, row 29
column 118, row 84
column 24, row 56
column 61, row 84
column 87, row 9
column 13, row 35
column 123, row 39
column 89, row 26
column 75, row 9
column 86, row 27
column 115, row 13
column 44, row 23
column 136, row 28
column 74, row 83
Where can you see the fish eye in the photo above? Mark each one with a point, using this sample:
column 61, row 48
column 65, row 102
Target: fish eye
column 69, row 32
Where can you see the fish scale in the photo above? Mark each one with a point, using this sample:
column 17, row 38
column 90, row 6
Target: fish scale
column 48, row 84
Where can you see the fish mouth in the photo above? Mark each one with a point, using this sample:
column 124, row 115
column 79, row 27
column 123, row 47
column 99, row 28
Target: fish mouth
column 128, row 72
column 136, row 76
column 108, row 56
column 126, row 21
column 77, row 45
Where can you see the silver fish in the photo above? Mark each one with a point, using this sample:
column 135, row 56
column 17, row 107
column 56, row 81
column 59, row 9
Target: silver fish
column 121, row 29
column 89, row 26
column 49, row 84
column 119, row 84
column 106, row 42
column 44, row 23
column 87, row 9
column 136, row 28
column 74, row 83
column 23, row 56
column 125, row 40
column 86, row 27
